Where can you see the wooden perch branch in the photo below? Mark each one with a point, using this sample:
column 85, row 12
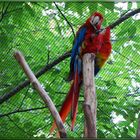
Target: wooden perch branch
column 43, row 94
column 22, row 85
column 89, row 96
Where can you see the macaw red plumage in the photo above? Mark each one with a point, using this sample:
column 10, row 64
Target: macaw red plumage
column 89, row 39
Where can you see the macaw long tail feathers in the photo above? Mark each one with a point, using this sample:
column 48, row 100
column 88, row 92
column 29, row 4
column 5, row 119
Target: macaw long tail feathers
column 70, row 104
column 75, row 100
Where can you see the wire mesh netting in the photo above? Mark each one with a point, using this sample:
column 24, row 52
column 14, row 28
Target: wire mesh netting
column 44, row 33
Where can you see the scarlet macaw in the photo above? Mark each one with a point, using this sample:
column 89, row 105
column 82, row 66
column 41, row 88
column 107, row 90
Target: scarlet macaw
column 89, row 39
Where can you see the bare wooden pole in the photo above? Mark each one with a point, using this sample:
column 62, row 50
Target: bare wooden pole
column 85, row 130
column 89, row 96
column 43, row 94
column 138, row 130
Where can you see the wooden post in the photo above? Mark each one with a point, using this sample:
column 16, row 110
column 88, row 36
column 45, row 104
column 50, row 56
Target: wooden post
column 138, row 130
column 89, row 96
column 85, row 129
column 47, row 100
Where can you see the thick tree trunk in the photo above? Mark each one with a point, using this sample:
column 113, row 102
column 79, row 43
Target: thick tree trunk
column 43, row 94
column 89, row 96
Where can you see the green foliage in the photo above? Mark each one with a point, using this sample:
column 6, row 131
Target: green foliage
column 42, row 34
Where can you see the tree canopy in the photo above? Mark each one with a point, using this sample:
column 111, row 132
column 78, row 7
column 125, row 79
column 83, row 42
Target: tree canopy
column 44, row 32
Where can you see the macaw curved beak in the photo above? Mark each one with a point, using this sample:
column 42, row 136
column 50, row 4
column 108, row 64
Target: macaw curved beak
column 95, row 21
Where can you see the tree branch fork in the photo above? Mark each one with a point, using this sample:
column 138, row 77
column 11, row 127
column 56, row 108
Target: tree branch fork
column 43, row 94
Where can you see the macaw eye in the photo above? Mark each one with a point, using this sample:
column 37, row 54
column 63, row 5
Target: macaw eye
column 94, row 20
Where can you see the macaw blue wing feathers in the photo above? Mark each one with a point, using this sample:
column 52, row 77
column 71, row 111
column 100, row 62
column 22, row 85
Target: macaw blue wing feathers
column 78, row 41
column 76, row 50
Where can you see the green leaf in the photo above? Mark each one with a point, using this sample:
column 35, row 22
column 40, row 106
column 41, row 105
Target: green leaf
column 132, row 30
column 100, row 134
column 121, row 82
column 123, row 123
column 136, row 39
column 108, row 5
column 93, row 7
column 29, row 8
column 129, row 5
column 28, row 125
column 127, row 51
column 72, row 6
